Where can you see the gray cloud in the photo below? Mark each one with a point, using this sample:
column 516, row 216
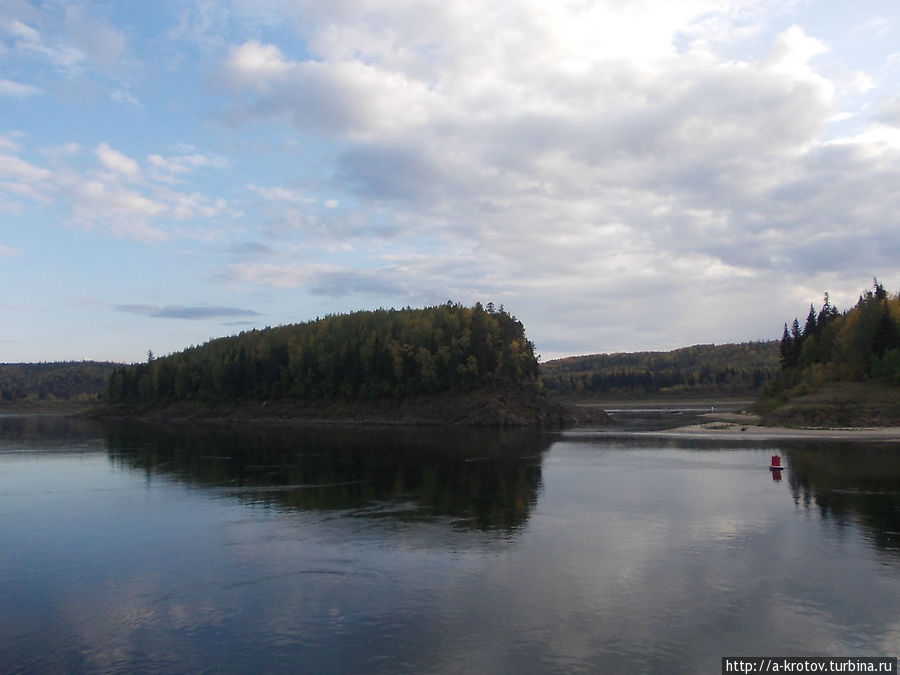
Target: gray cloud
column 349, row 282
column 564, row 176
column 201, row 312
column 890, row 113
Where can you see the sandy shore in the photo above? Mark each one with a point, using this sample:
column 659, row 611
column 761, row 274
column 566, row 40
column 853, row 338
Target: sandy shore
column 741, row 425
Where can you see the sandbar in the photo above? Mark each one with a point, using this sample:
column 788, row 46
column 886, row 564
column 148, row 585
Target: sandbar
column 742, row 425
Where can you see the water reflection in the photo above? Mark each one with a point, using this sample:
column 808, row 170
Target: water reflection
column 46, row 431
column 224, row 549
column 843, row 480
column 486, row 480
column 847, row 481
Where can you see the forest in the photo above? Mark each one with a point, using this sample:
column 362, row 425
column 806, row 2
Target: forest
column 81, row 381
column 859, row 345
column 364, row 355
column 729, row 369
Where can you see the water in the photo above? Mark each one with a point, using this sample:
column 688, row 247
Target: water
column 126, row 548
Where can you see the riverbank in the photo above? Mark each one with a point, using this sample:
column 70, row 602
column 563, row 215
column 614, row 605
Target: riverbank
column 840, row 405
column 484, row 408
column 54, row 407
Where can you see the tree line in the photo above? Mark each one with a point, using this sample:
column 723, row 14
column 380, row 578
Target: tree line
column 63, row 381
column 735, row 369
column 364, row 355
column 859, row 345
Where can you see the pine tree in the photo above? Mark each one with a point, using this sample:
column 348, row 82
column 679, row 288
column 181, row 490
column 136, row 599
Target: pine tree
column 827, row 314
column 811, row 327
column 796, row 342
column 786, row 350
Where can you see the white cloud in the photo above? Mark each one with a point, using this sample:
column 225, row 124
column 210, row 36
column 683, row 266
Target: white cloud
column 125, row 97
column 111, row 193
column 29, row 41
column 99, row 201
column 17, row 89
column 254, row 65
column 279, row 194
column 116, row 161
column 8, row 144
column 196, row 205
column 173, row 169
column 793, row 50
column 16, row 168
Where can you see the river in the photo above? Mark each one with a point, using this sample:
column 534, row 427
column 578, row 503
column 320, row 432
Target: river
column 176, row 548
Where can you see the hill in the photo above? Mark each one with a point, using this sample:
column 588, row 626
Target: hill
column 841, row 368
column 700, row 370
column 441, row 364
column 50, row 383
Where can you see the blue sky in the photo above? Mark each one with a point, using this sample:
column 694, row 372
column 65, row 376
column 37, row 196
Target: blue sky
column 620, row 176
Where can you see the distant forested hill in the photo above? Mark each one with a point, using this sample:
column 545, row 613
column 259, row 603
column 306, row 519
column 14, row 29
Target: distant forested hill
column 63, row 381
column 730, row 369
column 370, row 355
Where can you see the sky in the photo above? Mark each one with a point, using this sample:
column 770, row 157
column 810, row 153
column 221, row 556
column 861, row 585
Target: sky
column 620, row 175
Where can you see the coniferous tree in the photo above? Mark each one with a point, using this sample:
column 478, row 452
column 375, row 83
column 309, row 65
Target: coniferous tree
column 827, row 314
column 811, row 327
column 796, row 342
column 786, row 349
column 858, row 345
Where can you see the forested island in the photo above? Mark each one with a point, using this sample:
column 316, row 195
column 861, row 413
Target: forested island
column 451, row 364
column 441, row 364
column 840, row 368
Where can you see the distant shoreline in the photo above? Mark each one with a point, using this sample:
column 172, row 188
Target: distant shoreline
column 744, row 425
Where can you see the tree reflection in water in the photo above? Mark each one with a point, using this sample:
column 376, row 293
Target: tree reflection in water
column 850, row 480
column 481, row 479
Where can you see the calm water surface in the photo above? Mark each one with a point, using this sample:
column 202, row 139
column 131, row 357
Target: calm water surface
column 129, row 548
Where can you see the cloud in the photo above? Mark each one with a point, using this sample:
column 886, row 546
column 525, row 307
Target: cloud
column 113, row 193
column 13, row 89
column 890, row 113
column 125, row 97
column 327, row 280
column 174, row 168
column 201, row 312
column 639, row 170
column 561, row 153
column 251, row 249
column 65, row 36
column 277, row 193
column 116, row 161
column 30, row 42
column 17, row 168
column 125, row 211
column 347, row 97
column 101, row 42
